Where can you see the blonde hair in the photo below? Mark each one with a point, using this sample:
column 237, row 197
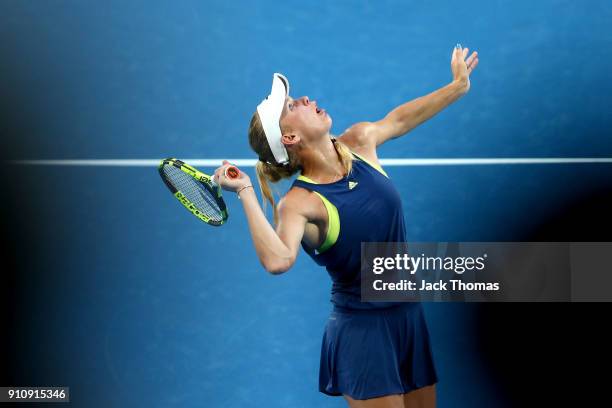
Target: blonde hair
column 268, row 171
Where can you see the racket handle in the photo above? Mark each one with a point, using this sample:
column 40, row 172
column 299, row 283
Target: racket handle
column 231, row 172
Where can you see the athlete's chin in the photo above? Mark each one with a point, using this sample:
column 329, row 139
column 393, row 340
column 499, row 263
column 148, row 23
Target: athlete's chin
column 328, row 126
column 328, row 119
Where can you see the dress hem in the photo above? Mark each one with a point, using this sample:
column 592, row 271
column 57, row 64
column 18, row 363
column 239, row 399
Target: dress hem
column 404, row 390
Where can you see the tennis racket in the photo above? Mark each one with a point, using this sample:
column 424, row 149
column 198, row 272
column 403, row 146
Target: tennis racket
column 197, row 191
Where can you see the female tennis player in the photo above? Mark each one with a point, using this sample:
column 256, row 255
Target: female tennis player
column 374, row 354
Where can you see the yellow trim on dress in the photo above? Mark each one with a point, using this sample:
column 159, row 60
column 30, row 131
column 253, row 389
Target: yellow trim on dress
column 376, row 166
column 333, row 225
column 333, row 219
column 306, row 179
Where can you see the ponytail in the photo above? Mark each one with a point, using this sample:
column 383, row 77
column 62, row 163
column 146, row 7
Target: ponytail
column 273, row 173
column 269, row 172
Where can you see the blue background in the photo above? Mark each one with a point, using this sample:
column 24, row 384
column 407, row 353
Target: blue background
column 130, row 301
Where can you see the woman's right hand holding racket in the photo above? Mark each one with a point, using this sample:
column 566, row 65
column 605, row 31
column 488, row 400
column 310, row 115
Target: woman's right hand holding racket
column 230, row 178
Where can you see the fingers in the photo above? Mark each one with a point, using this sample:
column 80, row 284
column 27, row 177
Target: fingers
column 456, row 52
column 472, row 61
column 220, row 171
column 471, row 58
column 461, row 53
column 216, row 175
column 226, row 171
column 473, row 65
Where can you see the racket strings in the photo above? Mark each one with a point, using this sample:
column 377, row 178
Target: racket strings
column 194, row 191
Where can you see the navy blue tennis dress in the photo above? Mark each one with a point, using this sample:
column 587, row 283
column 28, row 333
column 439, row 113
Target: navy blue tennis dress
column 369, row 349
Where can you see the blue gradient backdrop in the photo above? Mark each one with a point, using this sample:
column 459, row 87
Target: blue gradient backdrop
column 144, row 306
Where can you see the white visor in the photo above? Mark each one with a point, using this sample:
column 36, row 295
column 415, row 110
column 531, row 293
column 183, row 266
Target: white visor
column 270, row 110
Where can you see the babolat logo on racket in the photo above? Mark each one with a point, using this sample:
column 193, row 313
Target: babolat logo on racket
column 189, row 205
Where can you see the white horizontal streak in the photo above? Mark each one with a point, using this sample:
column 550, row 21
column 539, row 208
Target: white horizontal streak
column 384, row 162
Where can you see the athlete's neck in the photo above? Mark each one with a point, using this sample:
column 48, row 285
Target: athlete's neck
column 320, row 162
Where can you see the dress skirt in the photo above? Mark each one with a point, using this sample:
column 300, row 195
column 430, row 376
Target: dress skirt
column 376, row 352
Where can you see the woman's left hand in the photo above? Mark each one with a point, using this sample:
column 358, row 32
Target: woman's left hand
column 462, row 67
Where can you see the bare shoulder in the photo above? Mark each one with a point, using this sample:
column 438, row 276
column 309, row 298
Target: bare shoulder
column 356, row 136
column 360, row 138
column 299, row 201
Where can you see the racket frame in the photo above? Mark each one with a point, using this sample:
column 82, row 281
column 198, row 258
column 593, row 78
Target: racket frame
column 207, row 182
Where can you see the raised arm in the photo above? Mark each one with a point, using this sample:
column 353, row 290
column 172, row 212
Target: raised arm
column 276, row 250
column 366, row 136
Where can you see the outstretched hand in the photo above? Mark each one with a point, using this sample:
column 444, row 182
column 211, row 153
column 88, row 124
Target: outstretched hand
column 462, row 67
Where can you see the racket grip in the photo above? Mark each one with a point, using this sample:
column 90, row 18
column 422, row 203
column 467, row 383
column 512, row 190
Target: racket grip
column 231, row 172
